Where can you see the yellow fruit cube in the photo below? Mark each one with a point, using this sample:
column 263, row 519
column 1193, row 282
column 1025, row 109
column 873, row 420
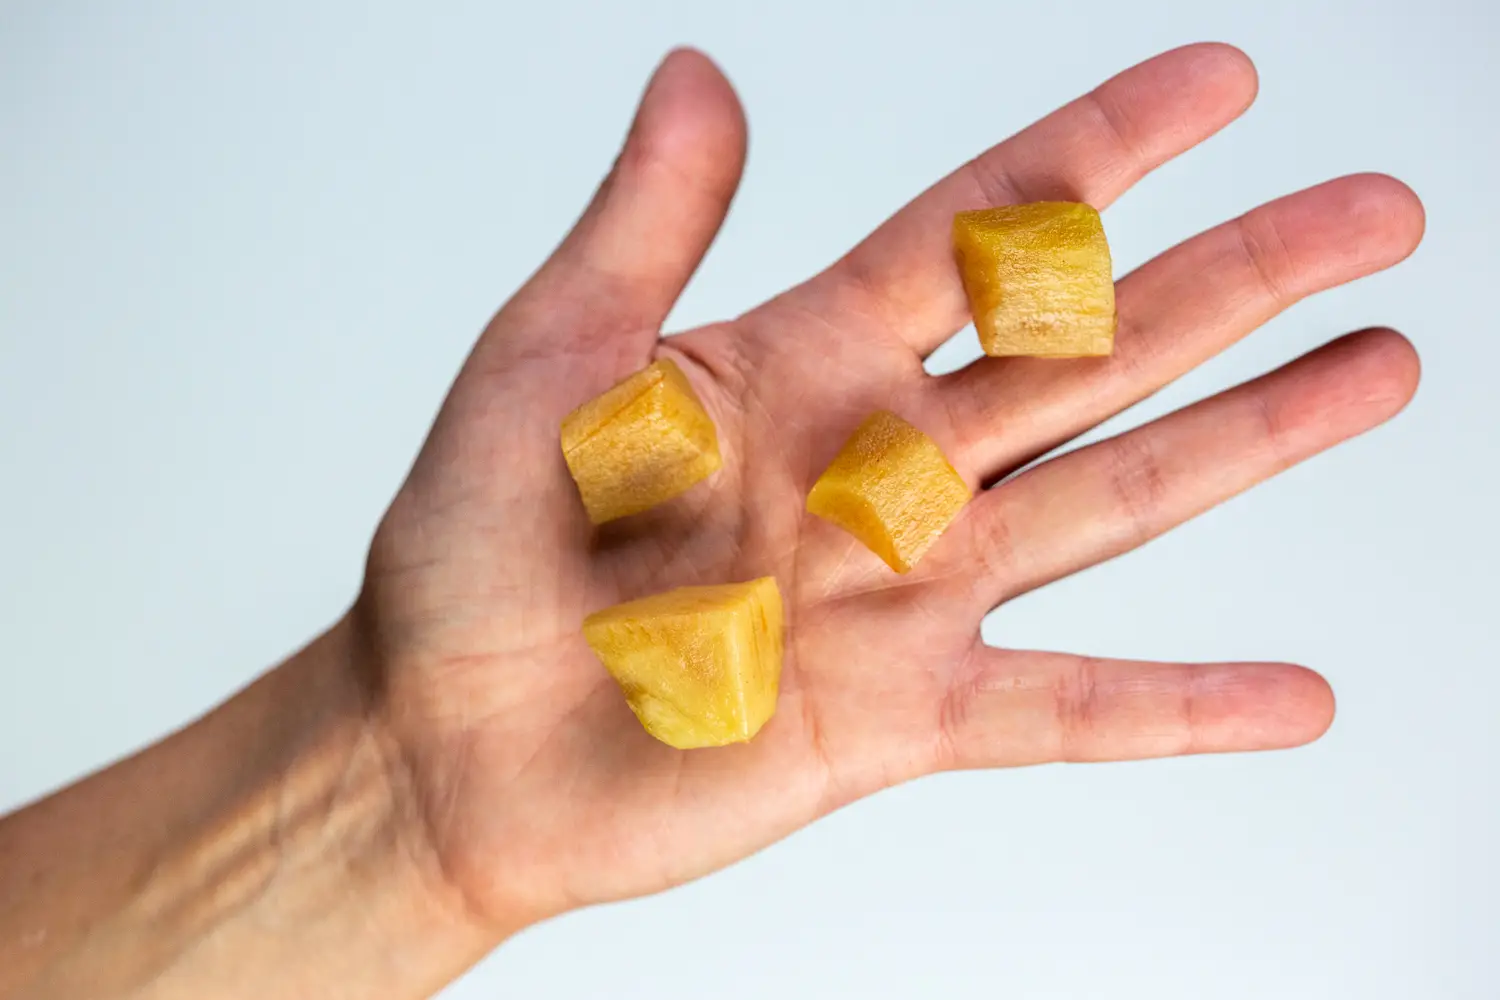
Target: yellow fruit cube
column 640, row 443
column 891, row 488
column 700, row 666
column 1038, row 278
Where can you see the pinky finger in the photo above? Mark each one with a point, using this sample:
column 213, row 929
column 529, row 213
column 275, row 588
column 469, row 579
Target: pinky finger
column 1018, row 707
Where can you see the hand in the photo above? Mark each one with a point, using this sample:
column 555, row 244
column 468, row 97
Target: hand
column 536, row 785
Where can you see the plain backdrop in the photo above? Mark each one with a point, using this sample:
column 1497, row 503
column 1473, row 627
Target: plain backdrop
column 244, row 247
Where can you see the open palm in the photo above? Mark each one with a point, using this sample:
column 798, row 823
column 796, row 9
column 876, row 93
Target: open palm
column 537, row 785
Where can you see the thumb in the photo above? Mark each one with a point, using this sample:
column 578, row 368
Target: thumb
column 617, row 274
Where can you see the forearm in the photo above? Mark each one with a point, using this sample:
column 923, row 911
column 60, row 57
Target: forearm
column 270, row 849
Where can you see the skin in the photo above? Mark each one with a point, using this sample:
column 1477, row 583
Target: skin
column 449, row 763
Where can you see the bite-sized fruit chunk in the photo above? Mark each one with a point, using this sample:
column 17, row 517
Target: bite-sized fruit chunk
column 700, row 666
column 640, row 443
column 1038, row 278
column 891, row 488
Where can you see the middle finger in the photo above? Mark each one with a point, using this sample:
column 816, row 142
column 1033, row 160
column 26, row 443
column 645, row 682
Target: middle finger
column 1176, row 312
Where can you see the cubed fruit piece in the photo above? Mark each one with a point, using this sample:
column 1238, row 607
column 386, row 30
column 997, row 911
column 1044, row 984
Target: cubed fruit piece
column 1038, row 278
column 640, row 443
column 700, row 666
column 891, row 488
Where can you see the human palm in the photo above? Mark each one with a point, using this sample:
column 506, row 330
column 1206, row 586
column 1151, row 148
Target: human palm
column 539, row 788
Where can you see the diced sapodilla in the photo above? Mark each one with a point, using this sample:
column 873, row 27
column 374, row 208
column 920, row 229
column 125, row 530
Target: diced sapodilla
column 1038, row 278
column 891, row 488
column 640, row 443
column 700, row 666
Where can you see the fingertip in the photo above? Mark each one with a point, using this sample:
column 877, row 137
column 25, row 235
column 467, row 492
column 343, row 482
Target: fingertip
column 689, row 89
column 1348, row 386
column 688, row 54
column 1231, row 72
column 691, row 120
column 1309, row 702
column 1390, row 210
column 1377, row 371
column 1260, row 706
column 685, row 66
column 1406, row 215
column 1398, row 365
column 1270, row 706
column 1233, row 62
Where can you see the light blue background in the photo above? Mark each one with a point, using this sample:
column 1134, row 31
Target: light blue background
column 243, row 251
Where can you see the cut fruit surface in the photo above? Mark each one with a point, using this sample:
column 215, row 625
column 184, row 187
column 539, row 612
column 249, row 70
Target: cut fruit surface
column 891, row 488
column 1038, row 278
column 700, row 666
column 640, row 443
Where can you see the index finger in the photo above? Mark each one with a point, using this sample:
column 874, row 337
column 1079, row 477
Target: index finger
column 1091, row 150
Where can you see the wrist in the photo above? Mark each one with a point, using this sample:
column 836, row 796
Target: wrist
column 273, row 848
column 343, row 821
column 321, row 839
column 389, row 808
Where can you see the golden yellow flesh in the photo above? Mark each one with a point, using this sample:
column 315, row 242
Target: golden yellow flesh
column 1038, row 278
column 700, row 666
column 891, row 488
column 642, row 442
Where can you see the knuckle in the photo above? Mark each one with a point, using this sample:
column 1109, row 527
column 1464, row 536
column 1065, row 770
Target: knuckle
column 994, row 541
column 1136, row 482
column 1114, row 124
column 1270, row 431
column 1076, row 697
column 953, row 715
column 1265, row 253
column 1187, row 713
column 992, row 179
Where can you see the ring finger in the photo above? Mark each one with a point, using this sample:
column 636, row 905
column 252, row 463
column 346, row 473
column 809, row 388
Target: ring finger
column 1095, row 503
